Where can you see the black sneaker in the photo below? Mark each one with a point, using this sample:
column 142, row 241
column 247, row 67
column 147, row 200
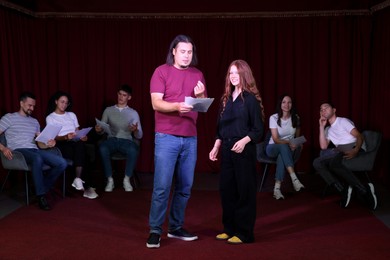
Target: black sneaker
column 371, row 200
column 43, row 203
column 182, row 234
column 346, row 197
column 153, row 241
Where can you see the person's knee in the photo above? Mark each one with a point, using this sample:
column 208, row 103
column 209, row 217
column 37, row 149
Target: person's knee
column 103, row 149
column 38, row 160
column 61, row 164
column 317, row 164
column 284, row 148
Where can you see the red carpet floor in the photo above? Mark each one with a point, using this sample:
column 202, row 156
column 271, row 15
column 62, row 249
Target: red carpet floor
column 115, row 226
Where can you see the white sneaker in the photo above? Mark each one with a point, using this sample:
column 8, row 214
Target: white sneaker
column 297, row 185
column 90, row 193
column 78, row 184
column 126, row 185
column 110, row 185
column 278, row 194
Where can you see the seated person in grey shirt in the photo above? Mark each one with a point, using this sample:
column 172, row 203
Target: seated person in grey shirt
column 125, row 131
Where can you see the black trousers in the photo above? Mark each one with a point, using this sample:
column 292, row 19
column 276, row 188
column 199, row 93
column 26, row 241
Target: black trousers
column 331, row 168
column 238, row 191
column 74, row 151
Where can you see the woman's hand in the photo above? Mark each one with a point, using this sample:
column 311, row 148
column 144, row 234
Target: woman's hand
column 239, row 146
column 214, row 153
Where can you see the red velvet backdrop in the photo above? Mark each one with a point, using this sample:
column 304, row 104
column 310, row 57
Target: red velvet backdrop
column 317, row 57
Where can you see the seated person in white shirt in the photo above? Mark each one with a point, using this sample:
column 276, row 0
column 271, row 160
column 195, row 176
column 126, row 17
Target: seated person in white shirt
column 341, row 131
column 71, row 147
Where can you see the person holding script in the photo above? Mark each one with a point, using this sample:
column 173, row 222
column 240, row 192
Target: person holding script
column 285, row 142
column 122, row 126
column 71, row 144
column 20, row 130
column 175, row 150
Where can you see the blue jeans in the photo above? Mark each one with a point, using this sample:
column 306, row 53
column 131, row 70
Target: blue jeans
column 37, row 158
column 173, row 156
column 124, row 146
column 284, row 158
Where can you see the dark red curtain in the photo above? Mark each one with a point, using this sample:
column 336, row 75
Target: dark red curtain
column 317, row 57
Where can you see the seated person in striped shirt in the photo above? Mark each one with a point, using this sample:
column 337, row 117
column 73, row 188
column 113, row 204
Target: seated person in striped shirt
column 125, row 133
column 20, row 130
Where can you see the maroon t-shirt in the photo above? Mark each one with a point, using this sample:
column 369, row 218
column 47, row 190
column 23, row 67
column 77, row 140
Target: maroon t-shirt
column 175, row 84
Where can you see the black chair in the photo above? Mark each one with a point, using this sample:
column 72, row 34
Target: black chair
column 18, row 163
column 263, row 158
column 118, row 156
column 364, row 162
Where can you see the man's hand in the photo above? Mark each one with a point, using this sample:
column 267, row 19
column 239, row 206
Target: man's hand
column 7, row 153
column 184, row 108
column 98, row 128
column 133, row 127
column 350, row 154
column 51, row 143
column 199, row 90
column 323, row 121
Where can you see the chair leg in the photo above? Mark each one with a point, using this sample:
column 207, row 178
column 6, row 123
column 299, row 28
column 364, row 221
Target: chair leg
column 64, row 185
column 263, row 177
column 137, row 181
column 324, row 192
column 5, row 181
column 368, row 177
column 27, row 191
column 26, row 184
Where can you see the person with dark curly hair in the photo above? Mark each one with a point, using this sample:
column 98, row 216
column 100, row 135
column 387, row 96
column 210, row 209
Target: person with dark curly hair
column 71, row 147
column 284, row 125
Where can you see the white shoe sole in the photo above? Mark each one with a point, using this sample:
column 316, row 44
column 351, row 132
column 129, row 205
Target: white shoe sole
column 372, row 190
column 89, row 197
column 128, row 190
column 152, row 245
column 109, row 190
column 278, row 197
column 298, row 187
column 77, row 188
column 183, row 238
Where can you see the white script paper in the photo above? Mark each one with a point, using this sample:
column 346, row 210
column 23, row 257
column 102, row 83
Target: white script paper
column 298, row 141
column 81, row 133
column 199, row 104
column 345, row 147
column 104, row 126
column 50, row 132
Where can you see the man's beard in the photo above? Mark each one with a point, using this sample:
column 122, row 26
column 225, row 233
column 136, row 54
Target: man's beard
column 28, row 112
column 183, row 67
